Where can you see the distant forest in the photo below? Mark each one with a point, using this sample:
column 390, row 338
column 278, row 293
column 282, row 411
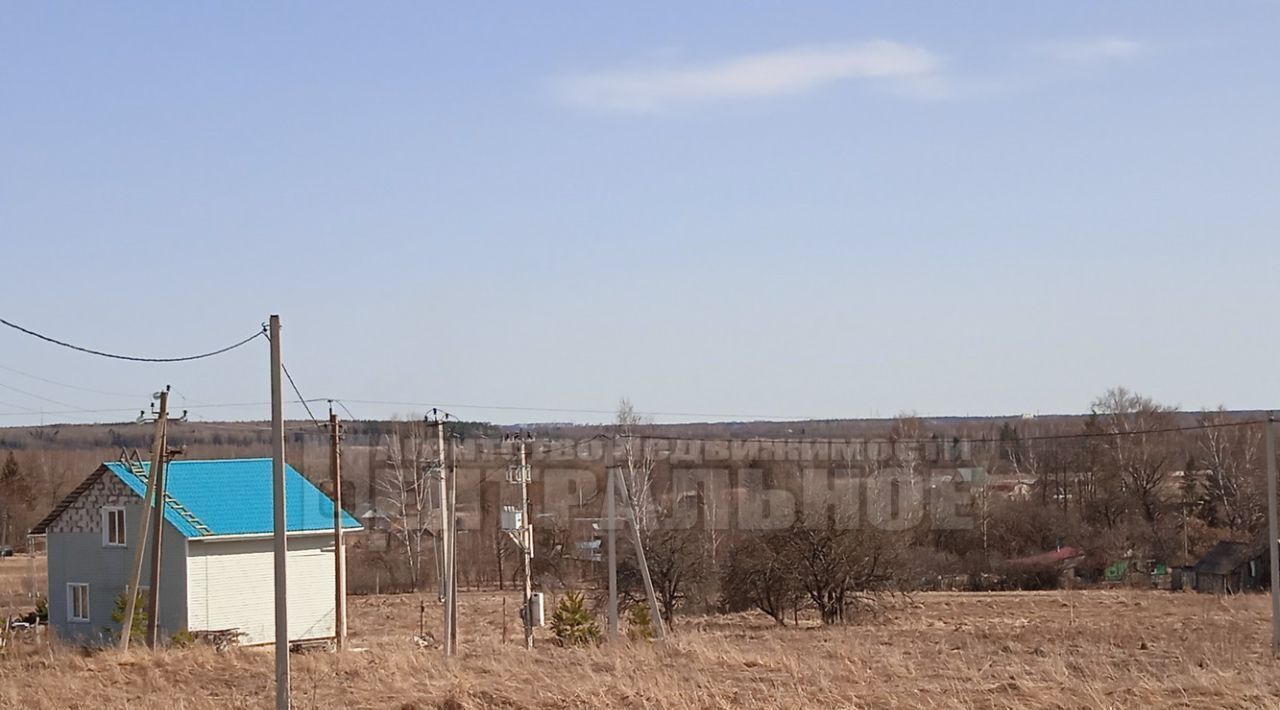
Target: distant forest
column 1132, row 479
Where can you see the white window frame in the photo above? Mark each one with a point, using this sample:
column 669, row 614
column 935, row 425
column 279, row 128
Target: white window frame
column 107, row 511
column 72, row 589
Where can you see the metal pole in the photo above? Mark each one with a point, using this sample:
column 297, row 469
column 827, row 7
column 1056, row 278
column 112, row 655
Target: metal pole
column 281, row 546
column 144, row 518
column 157, row 541
column 611, row 527
column 527, row 551
column 339, row 548
column 1274, row 531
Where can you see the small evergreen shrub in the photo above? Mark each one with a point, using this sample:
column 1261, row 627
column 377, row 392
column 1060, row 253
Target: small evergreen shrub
column 573, row 624
column 139, row 628
column 639, row 623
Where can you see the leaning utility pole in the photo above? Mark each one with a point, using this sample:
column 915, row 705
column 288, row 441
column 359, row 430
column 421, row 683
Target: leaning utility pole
column 140, row 539
column 157, row 539
column 1273, row 524
column 446, row 534
column 339, row 549
column 281, row 545
column 655, row 614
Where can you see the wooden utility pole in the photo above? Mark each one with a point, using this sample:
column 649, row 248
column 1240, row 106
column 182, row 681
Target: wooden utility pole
column 446, row 538
column 611, row 524
column 339, row 547
column 144, row 516
column 281, row 545
column 1273, row 524
column 655, row 613
column 157, row 539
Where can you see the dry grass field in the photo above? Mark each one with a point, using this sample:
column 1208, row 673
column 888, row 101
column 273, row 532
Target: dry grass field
column 1095, row 649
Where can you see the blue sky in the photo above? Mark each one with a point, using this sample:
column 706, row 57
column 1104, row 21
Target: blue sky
column 779, row 209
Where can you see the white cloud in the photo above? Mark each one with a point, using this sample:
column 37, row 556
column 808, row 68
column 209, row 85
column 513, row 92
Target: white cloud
column 753, row 76
column 1094, row 50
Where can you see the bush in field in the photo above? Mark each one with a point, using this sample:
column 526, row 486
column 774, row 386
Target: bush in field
column 1031, row 578
column 639, row 623
column 139, row 614
column 758, row 575
column 573, row 624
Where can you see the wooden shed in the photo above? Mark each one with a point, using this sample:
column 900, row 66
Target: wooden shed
column 1230, row 567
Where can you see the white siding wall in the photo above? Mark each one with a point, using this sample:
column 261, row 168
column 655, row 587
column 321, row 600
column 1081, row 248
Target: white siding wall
column 231, row 586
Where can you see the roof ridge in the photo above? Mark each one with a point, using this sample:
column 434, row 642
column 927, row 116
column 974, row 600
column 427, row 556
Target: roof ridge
column 186, row 461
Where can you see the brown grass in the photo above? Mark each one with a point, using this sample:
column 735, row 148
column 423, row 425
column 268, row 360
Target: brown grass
column 1097, row 649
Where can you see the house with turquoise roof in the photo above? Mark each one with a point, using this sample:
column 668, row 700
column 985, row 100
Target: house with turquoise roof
column 216, row 553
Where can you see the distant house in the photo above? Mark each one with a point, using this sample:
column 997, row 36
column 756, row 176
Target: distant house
column 1014, row 488
column 1230, row 567
column 1063, row 558
column 217, row 571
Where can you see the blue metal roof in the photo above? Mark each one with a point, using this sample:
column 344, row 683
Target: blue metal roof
column 234, row 497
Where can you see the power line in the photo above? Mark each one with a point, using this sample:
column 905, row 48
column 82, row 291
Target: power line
column 344, row 408
column 35, row 396
column 212, row 405
column 132, row 358
column 46, row 380
column 19, row 406
column 566, row 410
column 300, row 397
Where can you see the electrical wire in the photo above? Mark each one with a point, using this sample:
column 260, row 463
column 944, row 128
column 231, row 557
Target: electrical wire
column 19, row 406
column 131, row 358
column 35, row 396
column 566, row 410
column 68, row 386
column 300, row 397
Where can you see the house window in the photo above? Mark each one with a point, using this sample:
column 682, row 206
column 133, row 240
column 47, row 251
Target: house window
column 78, row 602
column 113, row 527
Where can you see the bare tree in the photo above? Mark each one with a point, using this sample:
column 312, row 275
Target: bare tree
column 1234, row 480
column 677, row 567
column 406, row 493
column 839, row 564
column 759, row 575
column 638, row 463
column 1138, row 454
